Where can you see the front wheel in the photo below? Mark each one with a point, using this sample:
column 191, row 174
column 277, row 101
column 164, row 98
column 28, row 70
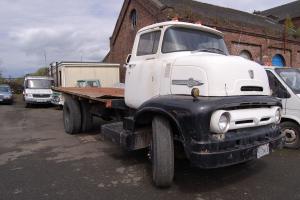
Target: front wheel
column 162, row 150
column 291, row 131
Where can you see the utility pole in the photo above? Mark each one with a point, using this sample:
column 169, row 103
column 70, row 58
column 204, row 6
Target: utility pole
column 45, row 56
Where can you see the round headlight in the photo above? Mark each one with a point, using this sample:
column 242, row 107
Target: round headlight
column 278, row 116
column 224, row 122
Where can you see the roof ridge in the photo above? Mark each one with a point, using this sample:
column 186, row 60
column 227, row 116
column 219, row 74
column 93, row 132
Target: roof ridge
column 281, row 6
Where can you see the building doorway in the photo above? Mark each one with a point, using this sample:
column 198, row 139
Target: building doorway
column 278, row 60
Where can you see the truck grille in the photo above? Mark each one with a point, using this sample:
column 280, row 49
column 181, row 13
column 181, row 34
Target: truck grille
column 251, row 89
column 41, row 95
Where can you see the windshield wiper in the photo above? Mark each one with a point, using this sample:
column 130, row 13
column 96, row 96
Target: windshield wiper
column 211, row 50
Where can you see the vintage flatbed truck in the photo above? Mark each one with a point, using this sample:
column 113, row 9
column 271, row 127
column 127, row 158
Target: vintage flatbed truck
column 182, row 88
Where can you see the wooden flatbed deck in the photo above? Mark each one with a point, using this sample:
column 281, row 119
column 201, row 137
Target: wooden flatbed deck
column 103, row 95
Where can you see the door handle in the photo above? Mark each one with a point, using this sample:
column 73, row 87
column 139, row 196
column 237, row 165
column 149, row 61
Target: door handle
column 132, row 65
column 150, row 58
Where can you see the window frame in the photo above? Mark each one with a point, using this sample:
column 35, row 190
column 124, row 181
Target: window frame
column 286, row 94
column 246, row 52
column 157, row 40
column 133, row 19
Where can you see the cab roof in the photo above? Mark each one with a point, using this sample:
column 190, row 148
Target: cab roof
column 276, row 67
column 183, row 24
column 38, row 77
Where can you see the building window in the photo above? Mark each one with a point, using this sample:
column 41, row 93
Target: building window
column 246, row 54
column 133, row 19
column 278, row 60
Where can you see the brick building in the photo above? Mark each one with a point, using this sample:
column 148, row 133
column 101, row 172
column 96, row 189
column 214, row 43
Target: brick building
column 280, row 13
column 258, row 37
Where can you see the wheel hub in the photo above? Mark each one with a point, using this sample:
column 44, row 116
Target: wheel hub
column 290, row 135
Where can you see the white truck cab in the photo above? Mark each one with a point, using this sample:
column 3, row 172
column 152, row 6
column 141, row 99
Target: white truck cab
column 285, row 84
column 175, row 57
column 37, row 90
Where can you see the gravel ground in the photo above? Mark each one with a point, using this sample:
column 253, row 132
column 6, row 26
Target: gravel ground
column 39, row 161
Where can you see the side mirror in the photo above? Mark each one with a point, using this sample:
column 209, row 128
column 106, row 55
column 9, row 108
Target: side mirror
column 128, row 59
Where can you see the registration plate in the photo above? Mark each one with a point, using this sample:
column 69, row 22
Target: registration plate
column 41, row 101
column 263, row 150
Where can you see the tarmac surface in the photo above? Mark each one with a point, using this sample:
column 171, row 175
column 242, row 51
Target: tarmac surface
column 38, row 160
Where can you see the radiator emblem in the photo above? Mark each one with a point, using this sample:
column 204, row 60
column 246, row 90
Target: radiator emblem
column 190, row 82
column 251, row 74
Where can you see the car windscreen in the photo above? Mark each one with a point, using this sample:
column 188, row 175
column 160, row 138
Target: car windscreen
column 4, row 89
column 88, row 83
column 39, row 84
column 291, row 77
column 183, row 39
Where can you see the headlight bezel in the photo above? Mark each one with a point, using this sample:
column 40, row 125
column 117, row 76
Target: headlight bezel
column 226, row 116
column 216, row 120
column 278, row 116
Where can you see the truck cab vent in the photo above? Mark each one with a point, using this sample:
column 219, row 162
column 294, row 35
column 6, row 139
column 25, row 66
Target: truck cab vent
column 251, row 89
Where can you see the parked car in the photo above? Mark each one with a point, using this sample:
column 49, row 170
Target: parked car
column 285, row 84
column 6, row 95
column 88, row 83
column 37, row 90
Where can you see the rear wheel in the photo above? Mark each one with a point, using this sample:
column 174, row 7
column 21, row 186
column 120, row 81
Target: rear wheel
column 291, row 131
column 87, row 117
column 162, row 152
column 72, row 116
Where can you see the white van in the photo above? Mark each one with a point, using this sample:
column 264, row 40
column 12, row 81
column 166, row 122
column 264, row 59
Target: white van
column 37, row 90
column 285, row 84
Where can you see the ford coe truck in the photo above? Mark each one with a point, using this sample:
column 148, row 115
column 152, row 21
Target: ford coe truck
column 183, row 89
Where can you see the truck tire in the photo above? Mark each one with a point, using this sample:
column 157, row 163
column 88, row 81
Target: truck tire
column 72, row 116
column 86, row 117
column 162, row 150
column 292, row 134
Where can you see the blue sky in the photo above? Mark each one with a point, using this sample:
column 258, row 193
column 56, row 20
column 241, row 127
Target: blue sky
column 68, row 30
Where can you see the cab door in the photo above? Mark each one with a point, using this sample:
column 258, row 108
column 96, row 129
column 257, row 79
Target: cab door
column 143, row 71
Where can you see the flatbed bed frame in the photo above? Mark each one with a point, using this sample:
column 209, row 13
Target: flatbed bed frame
column 111, row 97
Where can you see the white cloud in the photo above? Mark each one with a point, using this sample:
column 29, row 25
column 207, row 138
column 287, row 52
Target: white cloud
column 63, row 30
column 248, row 5
column 68, row 30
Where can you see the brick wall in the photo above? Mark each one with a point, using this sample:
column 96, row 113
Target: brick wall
column 261, row 46
column 123, row 43
column 296, row 22
column 262, row 49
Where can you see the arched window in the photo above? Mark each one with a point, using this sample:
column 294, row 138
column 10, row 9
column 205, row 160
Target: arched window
column 246, row 54
column 133, row 18
column 278, row 60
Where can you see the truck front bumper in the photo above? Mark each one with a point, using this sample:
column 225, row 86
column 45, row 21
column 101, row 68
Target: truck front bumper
column 238, row 149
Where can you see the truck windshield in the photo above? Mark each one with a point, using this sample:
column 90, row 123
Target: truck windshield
column 183, row 39
column 291, row 77
column 39, row 84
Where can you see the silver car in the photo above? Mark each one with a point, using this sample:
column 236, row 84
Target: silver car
column 6, row 95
